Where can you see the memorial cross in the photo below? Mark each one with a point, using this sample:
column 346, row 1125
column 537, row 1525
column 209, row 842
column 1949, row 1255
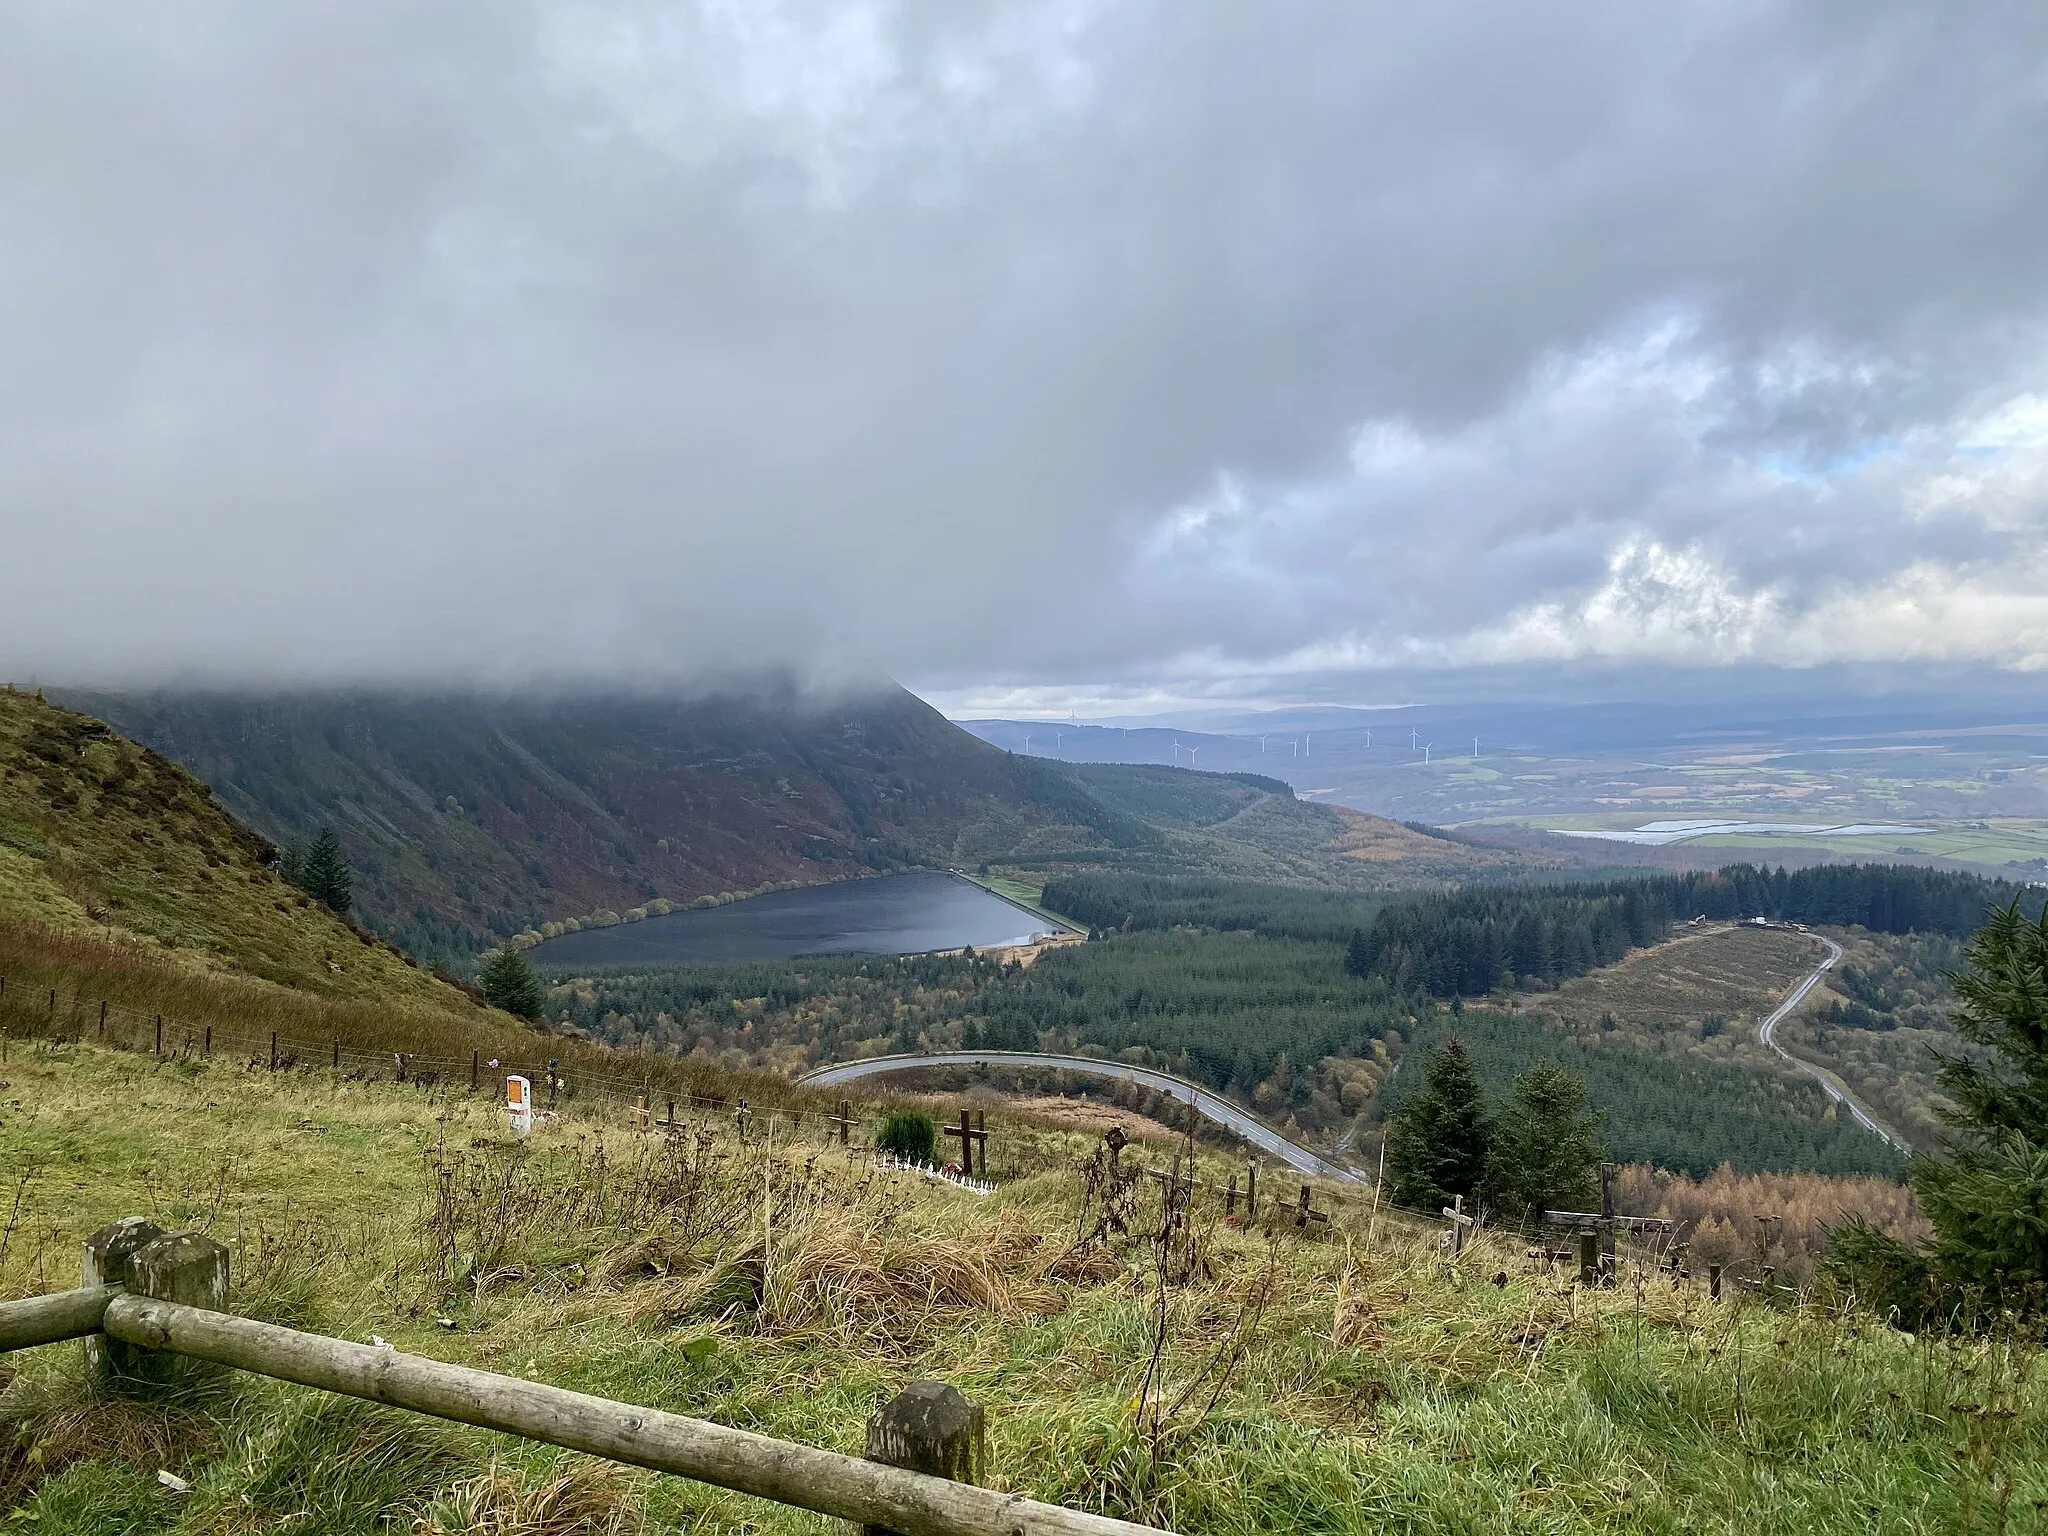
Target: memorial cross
column 969, row 1133
column 1454, row 1213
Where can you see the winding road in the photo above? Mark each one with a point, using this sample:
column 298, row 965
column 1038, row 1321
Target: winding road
column 1767, row 1033
column 1263, row 1136
column 1205, row 1102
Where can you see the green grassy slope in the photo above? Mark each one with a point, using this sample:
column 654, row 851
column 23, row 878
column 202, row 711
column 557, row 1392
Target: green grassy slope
column 1351, row 1383
column 103, row 839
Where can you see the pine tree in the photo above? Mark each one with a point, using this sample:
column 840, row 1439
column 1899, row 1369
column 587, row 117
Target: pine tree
column 321, row 871
column 1437, row 1146
column 1547, row 1150
column 1358, row 954
column 508, row 981
column 1987, row 1194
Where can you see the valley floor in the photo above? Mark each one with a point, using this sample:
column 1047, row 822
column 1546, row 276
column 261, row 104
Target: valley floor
column 1354, row 1382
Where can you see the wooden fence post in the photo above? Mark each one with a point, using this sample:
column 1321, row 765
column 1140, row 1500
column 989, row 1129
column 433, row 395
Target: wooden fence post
column 273, row 1050
column 159, row 1034
column 209, row 1040
column 103, row 1018
column 1608, row 1271
column 337, row 1055
column 1713, row 1282
column 475, row 1061
column 1589, row 1259
column 930, row 1427
column 187, row 1268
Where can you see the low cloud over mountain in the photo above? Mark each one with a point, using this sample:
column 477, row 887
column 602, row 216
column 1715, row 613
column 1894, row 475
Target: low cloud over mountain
column 1020, row 347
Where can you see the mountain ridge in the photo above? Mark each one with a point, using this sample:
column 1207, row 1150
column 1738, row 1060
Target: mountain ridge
column 470, row 818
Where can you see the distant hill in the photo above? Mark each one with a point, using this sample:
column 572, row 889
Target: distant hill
column 471, row 816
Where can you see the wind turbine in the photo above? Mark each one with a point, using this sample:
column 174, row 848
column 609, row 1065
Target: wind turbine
column 1059, row 743
column 1425, row 752
column 1368, row 738
column 1305, row 739
column 1262, row 746
column 1027, row 743
column 1191, row 755
column 1475, row 749
column 1411, row 738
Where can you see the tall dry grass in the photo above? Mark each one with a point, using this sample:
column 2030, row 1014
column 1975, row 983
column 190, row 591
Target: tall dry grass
column 1729, row 1218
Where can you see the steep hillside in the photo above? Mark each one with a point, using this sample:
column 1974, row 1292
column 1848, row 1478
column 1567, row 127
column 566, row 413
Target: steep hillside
column 468, row 816
column 471, row 815
column 103, row 837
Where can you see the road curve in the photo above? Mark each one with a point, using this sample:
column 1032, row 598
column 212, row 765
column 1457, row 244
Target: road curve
column 1205, row 1101
column 1766, row 1034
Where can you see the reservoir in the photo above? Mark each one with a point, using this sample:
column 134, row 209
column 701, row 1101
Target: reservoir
column 887, row 915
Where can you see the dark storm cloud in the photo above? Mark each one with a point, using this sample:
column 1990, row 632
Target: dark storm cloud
column 1053, row 343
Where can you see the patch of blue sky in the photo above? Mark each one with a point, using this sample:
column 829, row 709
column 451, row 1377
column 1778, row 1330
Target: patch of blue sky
column 1845, row 463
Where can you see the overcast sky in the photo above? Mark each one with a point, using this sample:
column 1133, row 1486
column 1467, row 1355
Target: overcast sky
column 1035, row 353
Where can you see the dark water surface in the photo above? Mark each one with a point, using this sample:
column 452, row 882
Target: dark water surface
column 888, row 915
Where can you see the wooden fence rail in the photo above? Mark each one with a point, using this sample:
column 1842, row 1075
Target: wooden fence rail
column 877, row 1496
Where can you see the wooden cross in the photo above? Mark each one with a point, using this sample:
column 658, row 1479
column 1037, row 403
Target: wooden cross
column 1175, row 1184
column 970, row 1130
column 1303, row 1215
column 1596, row 1237
column 1454, row 1213
column 843, row 1121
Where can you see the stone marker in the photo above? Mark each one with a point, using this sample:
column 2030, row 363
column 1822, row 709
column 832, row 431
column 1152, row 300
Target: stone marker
column 104, row 1261
column 930, row 1427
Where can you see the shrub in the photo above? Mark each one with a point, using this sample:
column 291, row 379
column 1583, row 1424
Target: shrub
column 908, row 1133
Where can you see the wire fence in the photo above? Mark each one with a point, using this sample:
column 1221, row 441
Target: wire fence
column 653, row 1097
column 52, row 1013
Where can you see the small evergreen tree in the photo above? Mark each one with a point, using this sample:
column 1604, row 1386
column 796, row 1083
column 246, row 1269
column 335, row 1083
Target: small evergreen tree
column 508, row 981
column 1987, row 1194
column 1357, row 954
column 321, row 872
column 909, row 1133
column 1437, row 1146
column 1547, row 1149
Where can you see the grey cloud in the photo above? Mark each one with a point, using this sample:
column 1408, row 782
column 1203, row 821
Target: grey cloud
column 997, row 341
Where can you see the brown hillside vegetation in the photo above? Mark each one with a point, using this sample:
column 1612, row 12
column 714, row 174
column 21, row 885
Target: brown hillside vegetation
column 122, row 883
column 1403, row 856
column 101, row 836
column 1726, row 1215
column 1736, row 972
column 496, row 813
